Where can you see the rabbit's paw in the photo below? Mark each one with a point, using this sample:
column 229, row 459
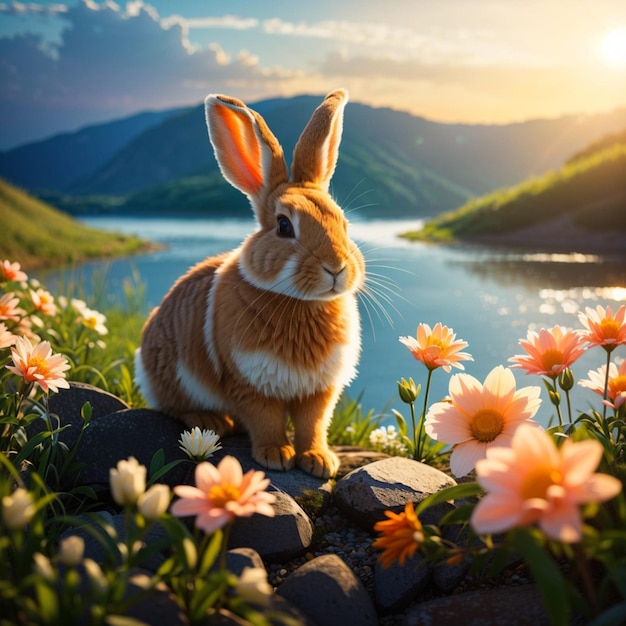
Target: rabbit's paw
column 221, row 425
column 322, row 463
column 275, row 457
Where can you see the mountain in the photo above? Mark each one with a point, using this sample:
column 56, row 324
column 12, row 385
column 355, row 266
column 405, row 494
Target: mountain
column 579, row 207
column 37, row 235
column 57, row 162
column 391, row 163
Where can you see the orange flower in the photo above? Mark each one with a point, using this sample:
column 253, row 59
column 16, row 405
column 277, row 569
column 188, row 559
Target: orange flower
column 9, row 309
column 550, row 351
column 479, row 416
column 223, row 493
column 603, row 327
column 37, row 364
column 533, row 481
column 616, row 389
column 43, row 301
column 402, row 534
column 11, row 272
column 7, row 338
column 437, row 347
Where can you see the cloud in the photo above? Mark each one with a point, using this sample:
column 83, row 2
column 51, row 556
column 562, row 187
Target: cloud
column 32, row 8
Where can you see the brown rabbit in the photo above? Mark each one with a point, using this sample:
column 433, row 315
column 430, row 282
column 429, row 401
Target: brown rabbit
column 272, row 328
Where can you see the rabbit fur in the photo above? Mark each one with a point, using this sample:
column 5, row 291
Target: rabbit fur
column 270, row 329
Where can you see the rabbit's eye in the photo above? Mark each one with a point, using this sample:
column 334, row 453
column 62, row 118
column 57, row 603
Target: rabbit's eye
column 284, row 227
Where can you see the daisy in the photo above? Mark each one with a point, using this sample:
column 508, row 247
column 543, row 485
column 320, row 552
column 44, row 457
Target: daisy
column 94, row 320
column 603, row 328
column 37, row 364
column 43, row 301
column 11, row 272
column 533, row 481
column 402, row 534
column 9, row 309
column 479, row 416
column 616, row 388
column 437, row 347
column 222, row 493
column 550, row 351
column 7, row 338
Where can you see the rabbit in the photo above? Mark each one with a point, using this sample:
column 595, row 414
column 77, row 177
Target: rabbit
column 272, row 328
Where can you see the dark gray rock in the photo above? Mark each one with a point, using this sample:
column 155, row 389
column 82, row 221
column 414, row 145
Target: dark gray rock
column 239, row 558
column 366, row 493
column 327, row 592
column 277, row 539
column 397, row 586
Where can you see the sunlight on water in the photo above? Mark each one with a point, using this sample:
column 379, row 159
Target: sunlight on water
column 574, row 257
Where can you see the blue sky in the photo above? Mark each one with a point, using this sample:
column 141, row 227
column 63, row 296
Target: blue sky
column 66, row 64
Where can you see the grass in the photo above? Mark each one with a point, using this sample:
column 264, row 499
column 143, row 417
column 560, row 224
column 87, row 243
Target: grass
column 37, row 235
column 591, row 191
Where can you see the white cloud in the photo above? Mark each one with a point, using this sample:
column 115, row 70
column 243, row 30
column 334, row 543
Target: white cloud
column 25, row 8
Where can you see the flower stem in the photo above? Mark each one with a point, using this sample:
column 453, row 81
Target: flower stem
column 606, row 383
column 419, row 445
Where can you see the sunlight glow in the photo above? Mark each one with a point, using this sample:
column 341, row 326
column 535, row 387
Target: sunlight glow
column 613, row 48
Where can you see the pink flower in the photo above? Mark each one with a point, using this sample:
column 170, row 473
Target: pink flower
column 11, row 272
column 223, row 493
column 37, row 364
column 437, row 347
column 603, row 328
column 480, row 416
column 7, row 338
column 616, row 389
column 43, row 301
column 533, row 481
column 550, row 351
column 9, row 309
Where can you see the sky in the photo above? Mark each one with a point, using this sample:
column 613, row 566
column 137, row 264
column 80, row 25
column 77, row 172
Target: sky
column 64, row 65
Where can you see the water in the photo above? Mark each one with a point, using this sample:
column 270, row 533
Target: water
column 489, row 298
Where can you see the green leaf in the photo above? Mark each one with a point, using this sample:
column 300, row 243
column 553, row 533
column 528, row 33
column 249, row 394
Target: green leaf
column 456, row 492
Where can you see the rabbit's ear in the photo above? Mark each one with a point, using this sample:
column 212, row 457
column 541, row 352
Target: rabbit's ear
column 316, row 152
column 248, row 154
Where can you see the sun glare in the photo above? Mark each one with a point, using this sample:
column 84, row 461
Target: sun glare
column 613, row 48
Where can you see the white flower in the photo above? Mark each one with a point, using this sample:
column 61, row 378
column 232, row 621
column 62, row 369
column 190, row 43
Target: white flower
column 253, row 586
column 198, row 444
column 128, row 481
column 154, row 502
column 94, row 320
column 378, row 437
column 71, row 550
column 18, row 509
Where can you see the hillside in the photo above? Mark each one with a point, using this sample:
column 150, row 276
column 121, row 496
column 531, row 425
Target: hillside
column 37, row 235
column 391, row 164
column 580, row 207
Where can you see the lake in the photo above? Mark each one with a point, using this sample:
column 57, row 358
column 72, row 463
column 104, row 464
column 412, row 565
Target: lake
column 490, row 298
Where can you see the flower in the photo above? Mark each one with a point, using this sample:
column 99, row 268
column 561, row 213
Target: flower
column 92, row 319
column 154, row 502
column 43, row 301
column 223, row 493
column 533, row 481
column 437, row 347
column 402, row 534
column 128, row 481
column 616, row 389
column 71, row 550
column 603, row 327
column 12, row 272
column 253, row 587
column 550, row 351
column 198, row 444
column 18, row 509
column 37, row 364
column 479, row 416
column 9, row 309
column 7, row 338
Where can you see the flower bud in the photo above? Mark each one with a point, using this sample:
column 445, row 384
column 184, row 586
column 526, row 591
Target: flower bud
column 43, row 567
column 128, row 481
column 154, row 502
column 71, row 550
column 17, row 509
column 408, row 390
column 566, row 379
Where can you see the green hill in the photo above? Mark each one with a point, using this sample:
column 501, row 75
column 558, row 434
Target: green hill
column 37, row 235
column 585, row 199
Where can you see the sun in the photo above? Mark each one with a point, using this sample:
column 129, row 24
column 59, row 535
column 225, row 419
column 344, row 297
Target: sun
column 613, row 48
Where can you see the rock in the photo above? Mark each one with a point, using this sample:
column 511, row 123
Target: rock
column 366, row 493
column 327, row 592
column 239, row 558
column 398, row 585
column 484, row 607
column 277, row 539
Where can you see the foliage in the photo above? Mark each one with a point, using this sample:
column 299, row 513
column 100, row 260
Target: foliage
column 62, row 241
column 350, row 426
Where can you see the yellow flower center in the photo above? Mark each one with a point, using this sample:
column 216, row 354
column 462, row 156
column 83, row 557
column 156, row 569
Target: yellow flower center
column 551, row 358
column 40, row 365
column 617, row 385
column 609, row 328
column 537, row 481
column 219, row 495
column 486, row 425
